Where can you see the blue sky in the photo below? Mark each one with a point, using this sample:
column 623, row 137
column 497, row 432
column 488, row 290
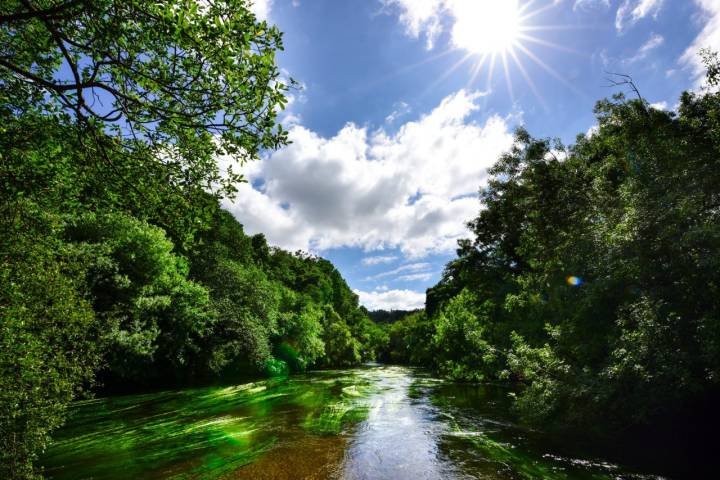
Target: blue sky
column 400, row 115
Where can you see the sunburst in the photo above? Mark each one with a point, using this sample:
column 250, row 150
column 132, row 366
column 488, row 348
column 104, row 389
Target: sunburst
column 497, row 35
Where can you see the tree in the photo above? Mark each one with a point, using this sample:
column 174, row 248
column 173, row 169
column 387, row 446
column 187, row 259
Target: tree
column 48, row 352
column 592, row 278
column 341, row 348
column 300, row 333
column 409, row 341
column 188, row 80
column 152, row 317
column 463, row 347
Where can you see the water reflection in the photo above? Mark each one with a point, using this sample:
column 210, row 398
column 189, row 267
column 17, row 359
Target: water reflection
column 378, row 422
column 398, row 439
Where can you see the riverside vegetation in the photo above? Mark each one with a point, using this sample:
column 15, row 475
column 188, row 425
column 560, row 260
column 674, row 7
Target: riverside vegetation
column 119, row 269
column 591, row 283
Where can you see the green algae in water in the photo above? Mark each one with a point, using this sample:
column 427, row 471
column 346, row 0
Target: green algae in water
column 201, row 433
column 151, row 434
column 335, row 416
column 526, row 466
column 525, row 463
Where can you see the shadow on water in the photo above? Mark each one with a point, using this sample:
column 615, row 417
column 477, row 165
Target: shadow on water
column 380, row 422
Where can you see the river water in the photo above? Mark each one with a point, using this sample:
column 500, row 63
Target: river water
column 374, row 423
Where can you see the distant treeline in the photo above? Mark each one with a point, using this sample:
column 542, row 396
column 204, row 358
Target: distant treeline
column 389, row 316
column 592, row 280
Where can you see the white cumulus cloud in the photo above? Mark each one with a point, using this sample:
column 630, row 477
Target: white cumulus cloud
column 392, row 299
column 709, row 37
column 420, row 17
column 466, row 19
column 413, row 189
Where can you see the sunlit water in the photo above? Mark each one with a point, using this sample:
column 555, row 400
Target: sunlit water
column 377, row 422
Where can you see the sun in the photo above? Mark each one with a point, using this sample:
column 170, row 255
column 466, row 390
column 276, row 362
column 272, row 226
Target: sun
column 486, row 27
column 494, row 33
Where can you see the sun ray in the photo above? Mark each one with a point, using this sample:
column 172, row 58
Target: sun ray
column 536, row 12
column 449, row 72
column 549, row 70
column 508, row 80
column 369, row 85
column 476, row 70
column 438, row 56
column 491, row 70
column 529, row 80
column 550, row 28
column 540, row 41
column 490, row 32
column 526, row 6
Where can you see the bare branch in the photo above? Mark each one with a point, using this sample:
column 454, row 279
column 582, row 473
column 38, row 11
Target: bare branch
column 625, row 80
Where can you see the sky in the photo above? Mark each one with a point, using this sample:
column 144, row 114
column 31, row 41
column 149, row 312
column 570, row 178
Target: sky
column 404, row 104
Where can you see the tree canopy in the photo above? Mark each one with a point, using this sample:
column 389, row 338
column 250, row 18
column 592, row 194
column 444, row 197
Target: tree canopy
column 189, row 90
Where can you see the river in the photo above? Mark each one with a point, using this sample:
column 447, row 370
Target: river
column 374, row 423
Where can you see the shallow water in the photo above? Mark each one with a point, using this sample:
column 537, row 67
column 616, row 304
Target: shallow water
column 376, row 422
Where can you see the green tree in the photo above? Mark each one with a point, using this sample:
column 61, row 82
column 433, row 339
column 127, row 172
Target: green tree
column 150, row 95
column 409, row 340
column 594, row 269
column 341, row 348
column 153, row 318
column 189, row 80
column 463, row 350
column 48, row 348
column 246, row 305
column 300, row 330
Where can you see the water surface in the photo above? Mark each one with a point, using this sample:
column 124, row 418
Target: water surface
column 376, row 422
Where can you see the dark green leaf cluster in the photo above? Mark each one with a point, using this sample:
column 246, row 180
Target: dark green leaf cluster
column 48, row 348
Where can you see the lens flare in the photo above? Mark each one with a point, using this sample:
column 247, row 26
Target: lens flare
column 574, row 281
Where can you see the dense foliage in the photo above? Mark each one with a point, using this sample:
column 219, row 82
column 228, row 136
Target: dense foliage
column 592, row 278
column 118, row 268
column 389, row 316
column 48, row 350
